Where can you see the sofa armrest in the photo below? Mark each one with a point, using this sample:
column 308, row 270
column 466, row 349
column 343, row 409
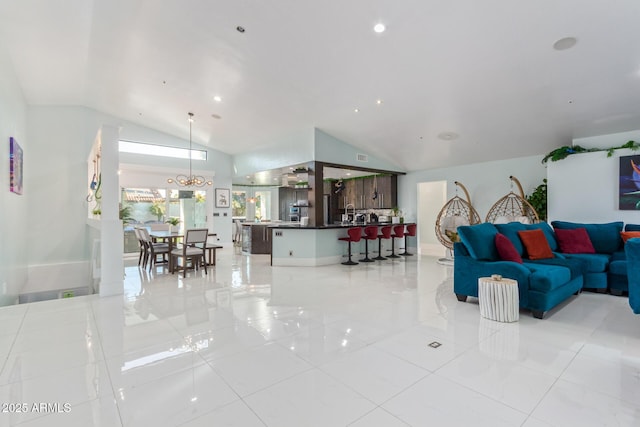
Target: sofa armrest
column 467, row 271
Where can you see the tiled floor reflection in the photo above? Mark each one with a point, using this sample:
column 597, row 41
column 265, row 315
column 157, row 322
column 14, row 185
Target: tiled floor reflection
column 252, row 345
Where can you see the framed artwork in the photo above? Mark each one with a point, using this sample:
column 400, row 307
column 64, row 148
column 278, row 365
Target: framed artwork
column 223, row 198
column 629, row 183
column 15, row 166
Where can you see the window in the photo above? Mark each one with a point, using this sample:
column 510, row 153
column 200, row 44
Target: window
column 263, row 204
column 160, row 150
column 239, row 204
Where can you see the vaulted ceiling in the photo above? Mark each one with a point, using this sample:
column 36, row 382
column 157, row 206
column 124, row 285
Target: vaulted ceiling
column 449, row 81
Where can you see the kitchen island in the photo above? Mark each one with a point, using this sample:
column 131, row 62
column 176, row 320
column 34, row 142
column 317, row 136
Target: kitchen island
column 296, row 245
column 256, row 238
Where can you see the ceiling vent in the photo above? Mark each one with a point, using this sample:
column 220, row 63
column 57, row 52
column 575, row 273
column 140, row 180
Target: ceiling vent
column 362, row 157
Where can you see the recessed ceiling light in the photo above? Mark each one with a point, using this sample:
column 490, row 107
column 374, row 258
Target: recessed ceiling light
column 356, row 110
column 248, row 176
column 348, row 174
column 379, row 102
column 379, row 28
column 565, row 43
column 217, row 98
column 448, row 136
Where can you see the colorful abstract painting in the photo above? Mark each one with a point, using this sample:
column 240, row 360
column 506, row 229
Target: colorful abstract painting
column 629, row 194
column 15, row 166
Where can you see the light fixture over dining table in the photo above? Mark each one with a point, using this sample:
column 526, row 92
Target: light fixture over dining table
column 190, row 180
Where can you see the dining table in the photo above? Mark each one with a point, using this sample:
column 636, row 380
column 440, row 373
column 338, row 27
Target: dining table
column 171, row 237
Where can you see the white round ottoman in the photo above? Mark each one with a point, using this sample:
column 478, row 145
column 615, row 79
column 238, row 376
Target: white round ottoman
column 499, row 299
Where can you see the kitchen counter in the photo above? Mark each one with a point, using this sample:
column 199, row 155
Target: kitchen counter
column 296, row 245
column 327, row 226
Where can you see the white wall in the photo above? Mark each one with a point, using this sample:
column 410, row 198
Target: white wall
column 584, row 187
column 293, row 149
column 332, row 150
column 13, row 207
column 486, row 182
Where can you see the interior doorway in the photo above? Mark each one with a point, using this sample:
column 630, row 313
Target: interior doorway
column 431, row 198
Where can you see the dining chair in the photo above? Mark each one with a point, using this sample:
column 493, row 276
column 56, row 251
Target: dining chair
column 153, row 249
column 237, row 235
column 142, row 259
column 193, row 248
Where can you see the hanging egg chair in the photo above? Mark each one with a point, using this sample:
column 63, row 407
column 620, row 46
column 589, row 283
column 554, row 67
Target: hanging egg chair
column 454, row 213
column 512, row 208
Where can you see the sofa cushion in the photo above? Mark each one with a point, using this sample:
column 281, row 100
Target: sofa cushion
column 576, row 266
column 506, row 250
column 574, row 241
column 510, row 231
column 617, row 256
column 595, row 263
column 479, row 240
column 545, row 278
column 626, row 235
column 604, row 237
column 632, row 227
column 536, row 244
column 618, row 267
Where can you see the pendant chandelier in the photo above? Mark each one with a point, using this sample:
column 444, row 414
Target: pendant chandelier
column 190, row 180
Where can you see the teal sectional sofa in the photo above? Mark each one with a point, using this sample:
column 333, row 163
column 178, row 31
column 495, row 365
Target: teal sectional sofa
column 582, row 256
column 632, row 250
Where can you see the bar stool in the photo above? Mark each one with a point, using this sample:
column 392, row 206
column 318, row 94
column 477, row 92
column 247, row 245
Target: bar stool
column 398, row 233
column 411, row 231
column 370, row 233
column 385, row 233
column 354, row 235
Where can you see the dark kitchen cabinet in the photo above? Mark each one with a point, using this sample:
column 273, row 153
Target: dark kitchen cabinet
column 256, row 239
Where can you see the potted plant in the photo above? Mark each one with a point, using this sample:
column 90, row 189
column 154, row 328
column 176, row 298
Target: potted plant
column 538, row 199
column 395, row 215
column 172, row 221
column 125, row 215
column 157, row 210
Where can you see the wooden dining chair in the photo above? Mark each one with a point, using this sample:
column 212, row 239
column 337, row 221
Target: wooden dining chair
column 142, row 259
column 192, row 249
column 153, row 249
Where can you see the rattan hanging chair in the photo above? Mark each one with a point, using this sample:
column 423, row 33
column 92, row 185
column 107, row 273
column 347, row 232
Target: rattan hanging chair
column 512, row 208
column 454, row 213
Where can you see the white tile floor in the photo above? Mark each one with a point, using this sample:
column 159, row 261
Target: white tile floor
column 251, row 345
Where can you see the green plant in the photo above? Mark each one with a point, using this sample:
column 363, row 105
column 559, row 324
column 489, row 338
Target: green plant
column 125, row 214
column 566, row 151
column 96, row 211
column 173, row 220
column 157, row 209
column 538, row 199
column 395, row 211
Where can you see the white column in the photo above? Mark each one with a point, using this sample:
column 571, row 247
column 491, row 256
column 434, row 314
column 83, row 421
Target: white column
column 111, row 231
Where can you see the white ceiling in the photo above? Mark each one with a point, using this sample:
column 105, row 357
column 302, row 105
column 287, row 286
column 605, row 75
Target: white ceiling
column 485, row 70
